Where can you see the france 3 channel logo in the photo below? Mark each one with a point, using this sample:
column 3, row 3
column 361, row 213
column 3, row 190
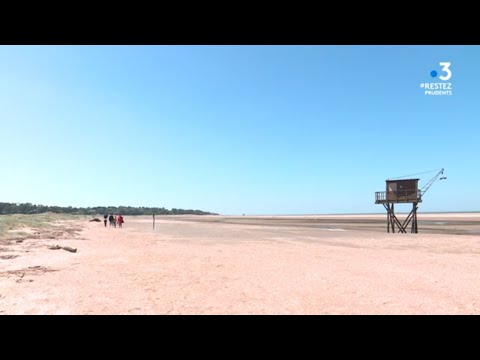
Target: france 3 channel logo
column 439, row 88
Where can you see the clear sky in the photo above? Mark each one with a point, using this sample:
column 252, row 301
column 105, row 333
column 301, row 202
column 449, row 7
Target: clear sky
column 236, row 129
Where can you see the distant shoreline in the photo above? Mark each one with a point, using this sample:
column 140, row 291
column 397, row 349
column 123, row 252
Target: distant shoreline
column 339, row 214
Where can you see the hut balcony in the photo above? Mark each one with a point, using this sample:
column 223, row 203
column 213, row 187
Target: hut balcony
column 399, row 196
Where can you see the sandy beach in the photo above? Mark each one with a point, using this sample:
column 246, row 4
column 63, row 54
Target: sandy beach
column 316, row 264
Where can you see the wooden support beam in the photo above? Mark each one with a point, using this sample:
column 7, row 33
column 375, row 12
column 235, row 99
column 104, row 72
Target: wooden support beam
column 392, row 219
column 387, row 207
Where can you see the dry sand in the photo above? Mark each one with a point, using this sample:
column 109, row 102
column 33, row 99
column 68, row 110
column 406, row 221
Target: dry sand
column 247, row 265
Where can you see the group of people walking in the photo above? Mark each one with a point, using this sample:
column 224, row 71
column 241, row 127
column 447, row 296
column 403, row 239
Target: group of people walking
column 113, row 220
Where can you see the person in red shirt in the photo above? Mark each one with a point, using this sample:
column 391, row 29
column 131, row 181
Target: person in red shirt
column 120, row 220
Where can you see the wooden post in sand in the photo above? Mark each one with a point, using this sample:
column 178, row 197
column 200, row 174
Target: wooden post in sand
column 154, row 221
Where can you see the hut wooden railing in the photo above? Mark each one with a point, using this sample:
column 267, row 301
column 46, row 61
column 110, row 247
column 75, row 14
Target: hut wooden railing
column 399, row 195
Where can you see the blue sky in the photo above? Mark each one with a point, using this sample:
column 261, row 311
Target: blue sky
column 236, row 129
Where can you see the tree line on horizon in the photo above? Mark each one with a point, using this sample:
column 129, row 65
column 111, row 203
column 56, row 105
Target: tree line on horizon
column 27, row 208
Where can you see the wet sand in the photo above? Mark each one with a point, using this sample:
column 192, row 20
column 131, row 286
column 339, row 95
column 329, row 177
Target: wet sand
column 247, row 265
column 448, row 223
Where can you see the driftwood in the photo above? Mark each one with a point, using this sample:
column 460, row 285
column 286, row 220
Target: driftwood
column 67, row 248
column 96, row 220
column 5, row 257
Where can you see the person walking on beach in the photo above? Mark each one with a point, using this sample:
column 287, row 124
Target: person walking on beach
column 105, row 219
column 120, row 220
column 110, row 219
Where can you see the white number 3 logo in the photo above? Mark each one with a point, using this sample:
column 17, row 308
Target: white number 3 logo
column 446, row 69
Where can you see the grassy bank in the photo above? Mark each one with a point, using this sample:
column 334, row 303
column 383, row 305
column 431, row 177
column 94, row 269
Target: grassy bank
column 36, row 221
